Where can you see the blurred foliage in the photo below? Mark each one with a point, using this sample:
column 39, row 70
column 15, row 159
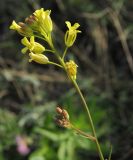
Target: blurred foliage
column 29, row 93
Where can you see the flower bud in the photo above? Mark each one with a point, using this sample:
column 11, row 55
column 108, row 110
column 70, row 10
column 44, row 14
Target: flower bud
column 25, row 30
column 65, row 114
column 30, row 20
column 71, row 68
column 58, row 110
column 38, row 58
column 22, row 29
column 62, row 119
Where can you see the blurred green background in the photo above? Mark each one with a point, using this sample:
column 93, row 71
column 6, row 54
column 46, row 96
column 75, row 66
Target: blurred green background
column 29, row 93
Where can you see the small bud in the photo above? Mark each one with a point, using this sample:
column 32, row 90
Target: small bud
column 62, row 119
column 59, row 122
column 65, row 114
column 25, row 30
column 22, row 29
column 38, row 58
column 30, row 20
column 22, row 25
column 58, row 110
column 71, row 68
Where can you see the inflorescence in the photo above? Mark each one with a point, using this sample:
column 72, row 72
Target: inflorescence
column 40, row 25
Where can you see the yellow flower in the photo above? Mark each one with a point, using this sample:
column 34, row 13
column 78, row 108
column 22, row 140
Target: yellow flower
column 15, row 26
column 71, row 33
column 38, row 58
column 71, row 68
column 44, row 20
column 32, row 46
column 22, row 29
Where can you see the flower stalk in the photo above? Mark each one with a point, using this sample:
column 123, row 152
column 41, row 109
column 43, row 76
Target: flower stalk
column 86, row 108
column 90, row 118
column 39, row 25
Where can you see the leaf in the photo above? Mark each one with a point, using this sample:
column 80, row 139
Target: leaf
column 37, row 158
column 39, row 154
column 50, row 135
column 110, row 153
column 62, row 151
column 70, row 146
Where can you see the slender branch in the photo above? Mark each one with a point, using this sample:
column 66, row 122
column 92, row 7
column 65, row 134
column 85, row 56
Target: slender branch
column 48, row 50
column 40, row 37
column 110, row 153
column 56, row 64
column 89, row 116
column 84, row 103
column 83, row 133
column 65, row 51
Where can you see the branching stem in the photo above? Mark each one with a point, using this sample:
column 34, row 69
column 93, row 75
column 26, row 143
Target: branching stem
column 65, row 51
column 83, row 133
column 61, row 60
column 56, row 64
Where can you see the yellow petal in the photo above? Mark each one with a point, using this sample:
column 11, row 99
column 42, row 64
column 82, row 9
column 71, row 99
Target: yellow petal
column 38, row 12
column 14, row 26
column 75, row 26
column 25, row 42
column 68, row 24
column 24, row 50
column 38, row 48
column 32, row 40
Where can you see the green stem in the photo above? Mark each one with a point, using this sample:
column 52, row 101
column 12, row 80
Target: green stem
column 48, row 50
column 40, row 37
column 83, row 133
column 90, row 118
column 110, row 153
column 65, row 51
column 56, row 64
column 84, row 104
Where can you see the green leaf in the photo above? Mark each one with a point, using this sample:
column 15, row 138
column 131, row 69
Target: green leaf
column 62, row 151
column 50, row 135
column 37, row 158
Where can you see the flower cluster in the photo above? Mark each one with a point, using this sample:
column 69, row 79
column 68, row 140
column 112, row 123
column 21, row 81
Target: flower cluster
column 35, row 49
column 62, row 118
column 39, row 25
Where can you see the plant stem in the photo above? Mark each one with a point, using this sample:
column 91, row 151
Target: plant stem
column 83, row 133
column 56, row 64
column 90, row 118
column 61, row 60
column 110, row 153
column 65, row 51
column 48, row 50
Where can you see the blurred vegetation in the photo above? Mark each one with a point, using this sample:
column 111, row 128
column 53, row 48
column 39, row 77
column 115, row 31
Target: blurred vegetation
column 29, row 93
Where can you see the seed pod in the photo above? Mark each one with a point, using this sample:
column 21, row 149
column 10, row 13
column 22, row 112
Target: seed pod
column 30, row 20
column 59, row 110
column 22, row 25
column 65, row 114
